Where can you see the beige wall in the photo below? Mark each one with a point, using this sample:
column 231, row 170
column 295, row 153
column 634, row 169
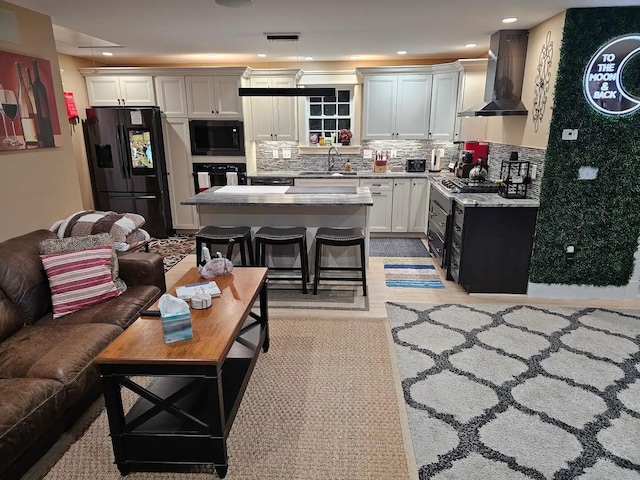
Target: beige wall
column 74, row 82
column 37, row 187
column 521, row 130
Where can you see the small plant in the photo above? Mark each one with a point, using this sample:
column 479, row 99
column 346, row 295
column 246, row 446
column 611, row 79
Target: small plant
column 344, row 136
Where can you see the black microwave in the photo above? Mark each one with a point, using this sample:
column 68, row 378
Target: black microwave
column 217, row 137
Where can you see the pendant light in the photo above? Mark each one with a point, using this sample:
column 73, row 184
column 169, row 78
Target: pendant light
column 285, row 92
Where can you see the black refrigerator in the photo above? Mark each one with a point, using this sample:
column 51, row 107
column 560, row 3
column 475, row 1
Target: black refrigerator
column 127, row 165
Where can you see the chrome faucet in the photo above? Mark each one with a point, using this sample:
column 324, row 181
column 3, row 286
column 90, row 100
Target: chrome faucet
column 330, row 158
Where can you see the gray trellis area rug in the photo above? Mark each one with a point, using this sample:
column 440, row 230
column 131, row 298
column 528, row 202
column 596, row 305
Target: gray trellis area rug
column 520, row 392
column 397, row 247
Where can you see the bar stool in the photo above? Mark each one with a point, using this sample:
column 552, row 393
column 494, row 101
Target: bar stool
column 229, row 236
column 340, row 237
column 284, row 236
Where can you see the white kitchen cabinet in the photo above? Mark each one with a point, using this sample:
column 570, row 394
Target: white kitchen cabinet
column 401, row 201
column 419, row 199
column 119, row 91
column 273, row 118
column 172, row 95
column 396, row 107
column 444, row 105
column 179, row 169
column 213, row 97
column 381, row 212
column 326, row 182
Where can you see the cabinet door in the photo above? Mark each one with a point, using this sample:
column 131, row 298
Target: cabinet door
column 200, row 97
column 412, row 110
column 227, row 101
column 381, row 210
column 444, row 97
column 137, row 91
column 104, row 91
column 401, row 196
column 172, row 96
column 262, row 112
column 418, row 204
column 285, row 110
column 380, row 98
column 179, row 169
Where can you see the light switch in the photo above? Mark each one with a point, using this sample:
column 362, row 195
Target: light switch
column 534, row 172
column 286, row 153
column 367, row 153
column 275, row 154
column 570, row 134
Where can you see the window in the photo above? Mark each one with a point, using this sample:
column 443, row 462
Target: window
column 327, row 115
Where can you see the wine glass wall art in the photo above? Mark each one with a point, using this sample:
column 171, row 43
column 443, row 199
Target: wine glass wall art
column 27, row 103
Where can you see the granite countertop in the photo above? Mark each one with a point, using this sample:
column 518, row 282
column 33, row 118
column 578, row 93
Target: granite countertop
column 358, row 174
column 483, row 199
column 276, row 196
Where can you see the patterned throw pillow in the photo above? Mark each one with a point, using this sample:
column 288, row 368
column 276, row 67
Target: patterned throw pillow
column 79, row 279
column 74, row 244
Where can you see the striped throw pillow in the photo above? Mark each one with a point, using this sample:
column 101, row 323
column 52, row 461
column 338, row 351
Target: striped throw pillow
column 79, row 279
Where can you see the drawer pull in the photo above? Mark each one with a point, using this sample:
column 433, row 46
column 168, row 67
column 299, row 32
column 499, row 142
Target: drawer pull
column 439, row 250
column 457, row 228
column 376, row 193
column 454, row 265
column 456, row 245
column 459, row 210
column 430, row 238
column 442, row 224
column 376, row 184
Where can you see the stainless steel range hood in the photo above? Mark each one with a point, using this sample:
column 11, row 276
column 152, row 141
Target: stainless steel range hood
column 505, row 73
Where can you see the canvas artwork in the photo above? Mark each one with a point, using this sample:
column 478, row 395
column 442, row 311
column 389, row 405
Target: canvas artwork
column 29, row 118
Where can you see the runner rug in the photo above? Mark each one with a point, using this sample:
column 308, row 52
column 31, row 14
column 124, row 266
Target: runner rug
column 321, row 404
column 520, row 392
column 411, row 273
column 397, row 247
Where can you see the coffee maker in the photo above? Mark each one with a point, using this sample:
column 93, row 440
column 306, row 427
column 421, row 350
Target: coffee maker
column 464, row 164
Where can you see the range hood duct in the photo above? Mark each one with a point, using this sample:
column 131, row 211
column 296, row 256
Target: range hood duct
column 505, row 73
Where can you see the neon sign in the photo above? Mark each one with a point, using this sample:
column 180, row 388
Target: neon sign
column 602, row 83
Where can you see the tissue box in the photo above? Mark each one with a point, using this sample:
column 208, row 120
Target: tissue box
column 176, row 327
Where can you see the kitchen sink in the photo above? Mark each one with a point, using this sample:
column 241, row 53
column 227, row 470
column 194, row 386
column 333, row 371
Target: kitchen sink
column 331, row 173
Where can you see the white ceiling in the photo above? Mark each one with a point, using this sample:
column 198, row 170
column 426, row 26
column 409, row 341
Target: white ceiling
column 186, row 31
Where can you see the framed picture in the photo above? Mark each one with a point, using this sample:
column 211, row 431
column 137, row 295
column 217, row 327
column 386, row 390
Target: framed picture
column 29, row 117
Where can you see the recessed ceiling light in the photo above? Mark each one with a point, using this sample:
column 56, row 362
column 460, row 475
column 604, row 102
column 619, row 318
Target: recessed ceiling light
column 509, row 20
column 308, row 58
column 402, row 52
column 262, row 55
column 354, row 57
column 107, row 54
column 234, row 3
column 211, row 55
column 471, row 45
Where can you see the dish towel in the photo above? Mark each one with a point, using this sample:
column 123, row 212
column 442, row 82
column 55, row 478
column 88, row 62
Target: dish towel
column 232, row 178
column 203, row 181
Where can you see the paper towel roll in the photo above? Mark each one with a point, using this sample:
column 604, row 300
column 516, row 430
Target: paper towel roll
column 203, row 181
column 232, row 178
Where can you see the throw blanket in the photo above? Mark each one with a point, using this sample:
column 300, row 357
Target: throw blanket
column 123, row 227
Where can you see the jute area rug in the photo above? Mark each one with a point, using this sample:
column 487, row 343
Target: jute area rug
column 519, row 392
column 321, row 404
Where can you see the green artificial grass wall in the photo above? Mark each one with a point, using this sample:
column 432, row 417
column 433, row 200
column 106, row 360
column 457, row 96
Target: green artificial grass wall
column 600, row 217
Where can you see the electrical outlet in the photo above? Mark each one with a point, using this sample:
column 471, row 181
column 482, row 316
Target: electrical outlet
column 570, row 134
column 275, row 154
column 534, row 172
column 367, row 153
column 286, row 153
column 393, row 153
column 587, row 173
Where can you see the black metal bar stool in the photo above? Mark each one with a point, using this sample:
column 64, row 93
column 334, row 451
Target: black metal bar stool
column 340, row 237
column 284, row 236
column 229, row 236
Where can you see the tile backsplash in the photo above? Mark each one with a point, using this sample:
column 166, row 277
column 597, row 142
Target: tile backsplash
column 499, row 152
column 404, row 149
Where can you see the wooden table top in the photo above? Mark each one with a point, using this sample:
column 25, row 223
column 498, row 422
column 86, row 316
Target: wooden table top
column 214, row 328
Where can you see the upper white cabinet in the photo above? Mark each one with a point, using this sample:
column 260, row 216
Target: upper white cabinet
column 396, row 106
column 273, row 118
column 119, row 91
column 172, row 95
column 444, row 106
column 213, row 97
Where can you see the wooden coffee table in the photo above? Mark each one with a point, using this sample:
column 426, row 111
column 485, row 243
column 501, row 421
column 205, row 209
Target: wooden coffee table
column 185, row 415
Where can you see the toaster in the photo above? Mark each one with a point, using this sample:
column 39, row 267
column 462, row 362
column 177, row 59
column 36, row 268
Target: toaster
column 416, row 165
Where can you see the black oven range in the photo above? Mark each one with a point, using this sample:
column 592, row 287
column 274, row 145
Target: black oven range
column 218, row 174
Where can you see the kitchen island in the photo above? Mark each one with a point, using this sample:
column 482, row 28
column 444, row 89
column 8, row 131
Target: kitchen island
column 283, row 206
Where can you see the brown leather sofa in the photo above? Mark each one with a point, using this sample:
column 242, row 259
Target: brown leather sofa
column 47, row 375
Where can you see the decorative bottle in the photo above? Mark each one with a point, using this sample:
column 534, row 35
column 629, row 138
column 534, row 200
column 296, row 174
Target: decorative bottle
column 42, row 106
column 27, row 115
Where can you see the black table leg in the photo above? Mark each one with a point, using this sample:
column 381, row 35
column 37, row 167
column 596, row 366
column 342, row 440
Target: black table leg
column 221, row 470
column 264, row 314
